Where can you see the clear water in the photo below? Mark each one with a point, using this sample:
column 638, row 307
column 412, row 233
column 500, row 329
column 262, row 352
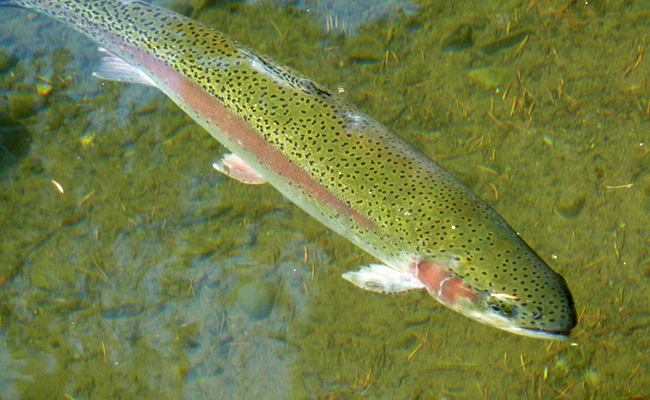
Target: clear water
column 130, row 269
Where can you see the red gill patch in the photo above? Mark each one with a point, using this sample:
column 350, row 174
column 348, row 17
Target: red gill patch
column 441, row 283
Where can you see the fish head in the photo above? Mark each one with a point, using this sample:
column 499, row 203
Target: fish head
column 529, row 300
column 548, row 313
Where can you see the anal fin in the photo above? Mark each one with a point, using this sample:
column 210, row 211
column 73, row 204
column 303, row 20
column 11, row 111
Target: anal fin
column 234, row 167
column 383, row 279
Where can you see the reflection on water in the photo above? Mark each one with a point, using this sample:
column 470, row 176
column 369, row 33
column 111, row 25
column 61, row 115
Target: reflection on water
column 345, row 16
column 130, row 269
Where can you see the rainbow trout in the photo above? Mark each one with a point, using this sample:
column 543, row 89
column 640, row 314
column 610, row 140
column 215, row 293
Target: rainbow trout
column 343, row 167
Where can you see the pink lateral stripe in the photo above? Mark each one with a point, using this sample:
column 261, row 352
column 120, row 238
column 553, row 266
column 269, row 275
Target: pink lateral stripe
column 239, row 131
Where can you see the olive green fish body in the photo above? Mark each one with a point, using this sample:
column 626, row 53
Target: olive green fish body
column 341, row 166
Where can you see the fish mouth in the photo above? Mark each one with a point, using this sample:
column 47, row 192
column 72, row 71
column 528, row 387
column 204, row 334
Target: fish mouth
column 538, row 333
column 508, row 325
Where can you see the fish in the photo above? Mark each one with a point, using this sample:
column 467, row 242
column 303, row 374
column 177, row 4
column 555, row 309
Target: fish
column 346, row 169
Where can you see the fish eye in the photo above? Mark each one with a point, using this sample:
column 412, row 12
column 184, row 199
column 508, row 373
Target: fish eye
column 500, row 306
column 495, row 308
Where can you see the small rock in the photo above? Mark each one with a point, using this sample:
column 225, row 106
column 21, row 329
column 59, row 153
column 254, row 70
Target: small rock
column 256, row 299
column 571, row 203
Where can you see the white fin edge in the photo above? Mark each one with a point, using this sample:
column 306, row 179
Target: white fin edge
column 233, row 166
column 115, row 68
column 383, row 279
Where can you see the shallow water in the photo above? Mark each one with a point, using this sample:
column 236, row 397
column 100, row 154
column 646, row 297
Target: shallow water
column 123, row 251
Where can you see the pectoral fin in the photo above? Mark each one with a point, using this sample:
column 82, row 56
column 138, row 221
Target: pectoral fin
column 114, row 68
column 383, row 279
column 234, row 167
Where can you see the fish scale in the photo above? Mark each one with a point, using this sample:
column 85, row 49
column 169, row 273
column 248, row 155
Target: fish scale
column 337, row 163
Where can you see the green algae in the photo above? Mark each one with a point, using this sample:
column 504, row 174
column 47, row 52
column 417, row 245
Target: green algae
column 490, row 77
column 23, row 104
column 7, row 61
